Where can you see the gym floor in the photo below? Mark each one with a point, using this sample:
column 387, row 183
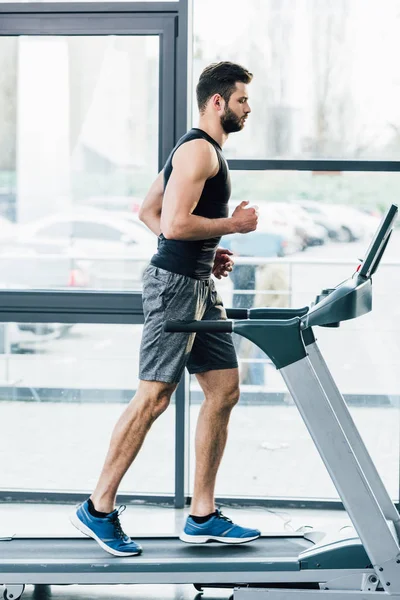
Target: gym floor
column 30, row 519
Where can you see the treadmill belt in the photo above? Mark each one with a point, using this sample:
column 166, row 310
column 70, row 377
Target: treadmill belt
column 160, row 553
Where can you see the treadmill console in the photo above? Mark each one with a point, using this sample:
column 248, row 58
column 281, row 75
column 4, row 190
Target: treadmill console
column 353, row 297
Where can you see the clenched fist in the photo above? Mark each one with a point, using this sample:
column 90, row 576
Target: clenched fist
column 245, row 219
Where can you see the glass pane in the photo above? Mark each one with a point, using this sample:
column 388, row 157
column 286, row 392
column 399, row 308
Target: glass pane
column 56, row 380
column 326, row 80
column 78, row 153
column 270, row 453
column 269, row 445
column 314, row 214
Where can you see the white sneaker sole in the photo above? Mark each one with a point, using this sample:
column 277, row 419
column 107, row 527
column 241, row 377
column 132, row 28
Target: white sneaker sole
column 76, row 522
column 204, row 539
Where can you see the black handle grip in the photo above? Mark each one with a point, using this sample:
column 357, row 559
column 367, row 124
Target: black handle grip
column 237, row 313
column 266, row 313
column 277, row 313
column 193, row 326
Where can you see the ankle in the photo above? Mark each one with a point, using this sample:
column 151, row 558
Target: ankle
column 102, row 505
column 202, row 510
column 202, row 519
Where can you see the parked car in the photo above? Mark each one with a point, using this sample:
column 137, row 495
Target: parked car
column 257, row 243
column 340, row 221
column 361, row 224
column 275, row 219
column 308, row 230
column 24, row 266
column 115, row 203
column 27, row 338
column 21, row 338
column 112, row 250
column 274, row 236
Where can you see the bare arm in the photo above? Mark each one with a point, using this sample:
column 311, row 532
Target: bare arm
column 150, row 211
column 194, row 163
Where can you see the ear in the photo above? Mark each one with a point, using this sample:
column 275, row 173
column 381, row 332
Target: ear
column 217, row 102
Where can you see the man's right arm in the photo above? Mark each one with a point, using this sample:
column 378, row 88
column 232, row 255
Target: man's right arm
column 150, row 211
column 194, row 163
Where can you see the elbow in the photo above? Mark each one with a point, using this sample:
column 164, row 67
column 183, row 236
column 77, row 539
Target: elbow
column 142, row 215
column 171, row 230
column 170, row 233
column 148, row 217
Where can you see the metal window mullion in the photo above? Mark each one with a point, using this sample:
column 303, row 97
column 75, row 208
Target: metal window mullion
column 182, row 406
column 47, row 306
column 314, row 165
column 88, row 7
column 183, row 69
column 182, row 396
column 167, row 92
column 85, row 24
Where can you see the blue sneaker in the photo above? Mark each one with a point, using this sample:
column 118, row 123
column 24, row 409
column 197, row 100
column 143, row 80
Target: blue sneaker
column 217, row 529
column 106, row 531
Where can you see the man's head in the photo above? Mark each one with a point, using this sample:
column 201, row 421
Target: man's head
column 222, row 91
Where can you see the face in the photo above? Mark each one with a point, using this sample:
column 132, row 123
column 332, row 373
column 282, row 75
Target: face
column 236, row 112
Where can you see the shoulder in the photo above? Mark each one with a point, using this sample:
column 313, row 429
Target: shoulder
column 197, row 156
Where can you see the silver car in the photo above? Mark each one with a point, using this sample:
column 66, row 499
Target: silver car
column 110, row 250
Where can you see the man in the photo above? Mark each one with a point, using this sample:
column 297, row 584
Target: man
column 187, row 208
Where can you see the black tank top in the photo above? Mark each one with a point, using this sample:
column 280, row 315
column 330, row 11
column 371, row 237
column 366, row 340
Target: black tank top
column 196, row 258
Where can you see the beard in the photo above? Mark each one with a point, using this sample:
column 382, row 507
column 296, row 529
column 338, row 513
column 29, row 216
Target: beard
column 230, row 122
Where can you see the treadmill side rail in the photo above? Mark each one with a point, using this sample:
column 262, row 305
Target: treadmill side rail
column 353, row 435
column 289, row 594
column 340, row 554
column 345, row 471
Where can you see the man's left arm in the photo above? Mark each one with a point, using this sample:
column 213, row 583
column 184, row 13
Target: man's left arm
column 223, row 263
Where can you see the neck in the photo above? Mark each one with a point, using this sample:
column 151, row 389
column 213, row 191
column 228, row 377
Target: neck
column 213, row 129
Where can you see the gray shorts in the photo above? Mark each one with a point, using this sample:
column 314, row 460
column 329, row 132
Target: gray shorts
column 163, row 356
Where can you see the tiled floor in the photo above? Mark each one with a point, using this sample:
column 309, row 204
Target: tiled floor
column 40, row 520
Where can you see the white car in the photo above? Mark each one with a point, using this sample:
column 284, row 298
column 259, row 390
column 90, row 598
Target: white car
column 113, row 250
column 308, row 230
column 341, row 222
column 361, row 224
column 273, row 218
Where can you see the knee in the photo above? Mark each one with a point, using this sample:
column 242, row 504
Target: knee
column 233, row 396
column 227, row 400
column 152, row 399
column 157, row 403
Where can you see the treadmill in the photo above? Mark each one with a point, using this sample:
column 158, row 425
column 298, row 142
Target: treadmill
column 299, row 565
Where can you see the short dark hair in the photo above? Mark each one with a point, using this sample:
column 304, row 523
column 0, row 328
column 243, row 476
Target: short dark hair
column 220, row 78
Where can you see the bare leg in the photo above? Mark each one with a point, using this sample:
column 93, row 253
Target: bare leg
column 150, row 400
column 221, row 390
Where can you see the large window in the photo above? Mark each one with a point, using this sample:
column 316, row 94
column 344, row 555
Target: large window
column 91, row 104
column 62, row 389
column 89, row 113
column 326, row 79
column 78, row 154
column 326, row 88
column 269, row 452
